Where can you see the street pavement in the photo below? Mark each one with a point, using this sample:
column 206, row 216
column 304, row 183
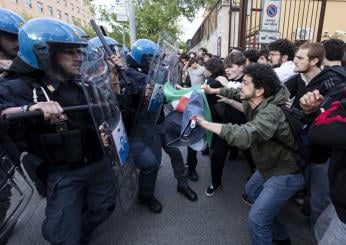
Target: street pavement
column 217, row 220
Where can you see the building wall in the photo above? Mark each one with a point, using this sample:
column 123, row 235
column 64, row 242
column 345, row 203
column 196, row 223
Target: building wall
column 71, row 11
column 334, row 23
column 220, row 32
column 335, row 20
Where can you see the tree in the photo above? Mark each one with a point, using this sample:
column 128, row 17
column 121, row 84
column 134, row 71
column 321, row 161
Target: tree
column 154, row 17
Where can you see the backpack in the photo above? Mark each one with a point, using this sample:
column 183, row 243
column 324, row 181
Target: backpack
column 304, row 150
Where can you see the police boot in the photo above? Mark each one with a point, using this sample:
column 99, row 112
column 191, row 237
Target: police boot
column 151, row 203
column 187, row 192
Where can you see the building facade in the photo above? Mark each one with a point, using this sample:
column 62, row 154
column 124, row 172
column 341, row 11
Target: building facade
column 224, row 26
column 76, row 12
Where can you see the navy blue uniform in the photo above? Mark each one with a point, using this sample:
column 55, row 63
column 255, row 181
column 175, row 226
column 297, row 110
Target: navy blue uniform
column 76, row 167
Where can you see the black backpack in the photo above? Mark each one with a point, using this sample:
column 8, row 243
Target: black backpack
column 306, row 152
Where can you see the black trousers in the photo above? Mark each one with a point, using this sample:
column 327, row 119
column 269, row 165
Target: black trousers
column 218, row 158
column 221, row 147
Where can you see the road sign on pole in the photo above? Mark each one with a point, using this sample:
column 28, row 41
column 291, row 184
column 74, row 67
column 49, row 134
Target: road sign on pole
column 271, row 13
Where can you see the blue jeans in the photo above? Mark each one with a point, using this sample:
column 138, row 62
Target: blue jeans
column 268, row 197
column 329, row 229
column 317, row 178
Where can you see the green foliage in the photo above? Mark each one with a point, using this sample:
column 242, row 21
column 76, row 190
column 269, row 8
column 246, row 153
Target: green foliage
column 154, row 17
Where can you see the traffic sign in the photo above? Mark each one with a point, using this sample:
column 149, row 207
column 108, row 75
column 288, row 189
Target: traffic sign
column 271, row 12
column 266, row 37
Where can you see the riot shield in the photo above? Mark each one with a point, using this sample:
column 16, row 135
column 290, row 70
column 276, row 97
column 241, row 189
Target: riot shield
column 163, row 68
column 108, row 121
column 19, row 198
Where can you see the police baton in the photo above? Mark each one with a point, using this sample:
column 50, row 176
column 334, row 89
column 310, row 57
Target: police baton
column 108, row 50
column 20, row 116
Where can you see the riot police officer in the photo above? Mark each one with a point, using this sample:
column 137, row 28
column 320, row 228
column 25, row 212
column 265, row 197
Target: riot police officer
column 80, row 189
column 142, row 51
column 10, row 23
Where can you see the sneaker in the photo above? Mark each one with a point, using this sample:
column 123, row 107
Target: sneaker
column 245, row 198
column 211, row 190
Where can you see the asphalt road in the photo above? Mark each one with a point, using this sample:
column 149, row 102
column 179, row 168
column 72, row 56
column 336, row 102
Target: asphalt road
column 217, row 220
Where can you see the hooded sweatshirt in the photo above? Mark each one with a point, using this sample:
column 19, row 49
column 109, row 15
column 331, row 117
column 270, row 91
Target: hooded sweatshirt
column 329, row 129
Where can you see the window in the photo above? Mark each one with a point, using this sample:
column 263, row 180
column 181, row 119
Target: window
column 77, row 8
column 28, row 4
column 72, row 6
column 14, row 1
column 50, row 10
column 40, row 7
column 65, row 3
column 66, row 17
column 58, row 14
column 57, row 1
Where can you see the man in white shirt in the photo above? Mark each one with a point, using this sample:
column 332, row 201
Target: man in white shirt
column 281, row 54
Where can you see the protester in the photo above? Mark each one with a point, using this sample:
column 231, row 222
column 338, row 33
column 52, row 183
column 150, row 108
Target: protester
column 252, row 56
column 281, row 54
column 277, row 177
column 263, row 57
column 329, row 130
column 308, row 61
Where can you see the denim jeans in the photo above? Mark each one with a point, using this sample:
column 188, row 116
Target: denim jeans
column 268, row 197
column 329, row 229
column 318, row 185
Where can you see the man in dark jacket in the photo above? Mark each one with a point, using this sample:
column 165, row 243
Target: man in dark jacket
column 277, row 177
column 329, row 129
column 308, row 63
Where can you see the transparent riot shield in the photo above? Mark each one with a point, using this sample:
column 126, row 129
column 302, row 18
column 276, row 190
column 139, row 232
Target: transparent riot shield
column 163, row 68
column 19, row 198
column 108, row 121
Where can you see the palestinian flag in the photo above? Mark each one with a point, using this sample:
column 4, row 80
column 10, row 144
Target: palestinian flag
column 179, row 98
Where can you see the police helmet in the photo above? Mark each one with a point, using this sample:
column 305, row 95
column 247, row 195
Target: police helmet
column 38, row 35
column 143, row 49
column 80, row 32
column 96, row 43
column 10, row 22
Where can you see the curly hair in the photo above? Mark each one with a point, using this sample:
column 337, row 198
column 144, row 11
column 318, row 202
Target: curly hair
column 215, row 66
column 284, row 46
column 263, row 76
column 252, row 55
column 335, row 49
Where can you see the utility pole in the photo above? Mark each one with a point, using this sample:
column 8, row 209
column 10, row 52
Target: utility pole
column 132, row 21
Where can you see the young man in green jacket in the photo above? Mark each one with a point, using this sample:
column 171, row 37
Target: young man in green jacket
column 277, row 177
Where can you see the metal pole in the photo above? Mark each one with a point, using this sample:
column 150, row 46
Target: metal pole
column 320, row 24
column 242, row 25
column 132, row 21
column 122, row 26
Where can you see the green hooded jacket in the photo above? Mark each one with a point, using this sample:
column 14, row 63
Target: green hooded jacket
column 265, row 122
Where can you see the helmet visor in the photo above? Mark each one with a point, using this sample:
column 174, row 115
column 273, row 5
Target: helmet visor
column 63, row 61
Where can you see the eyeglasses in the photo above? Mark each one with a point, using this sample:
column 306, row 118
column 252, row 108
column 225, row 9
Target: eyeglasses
column 273, row 54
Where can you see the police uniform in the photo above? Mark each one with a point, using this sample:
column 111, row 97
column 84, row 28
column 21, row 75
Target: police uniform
column 81, row 193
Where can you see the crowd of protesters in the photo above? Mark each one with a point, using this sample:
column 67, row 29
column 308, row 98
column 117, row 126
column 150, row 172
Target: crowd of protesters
column 246, row 95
